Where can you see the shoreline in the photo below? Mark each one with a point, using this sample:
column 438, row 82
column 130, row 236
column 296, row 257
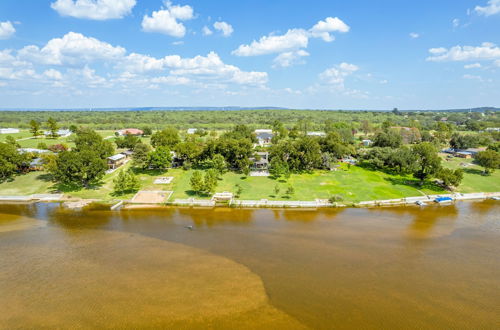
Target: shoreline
column 76, row 204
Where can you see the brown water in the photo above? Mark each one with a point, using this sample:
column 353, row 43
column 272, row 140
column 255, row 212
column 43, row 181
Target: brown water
column 433, row 267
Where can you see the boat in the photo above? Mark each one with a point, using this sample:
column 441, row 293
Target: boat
column 496, row 198
column 441, row 200
column 420, row 203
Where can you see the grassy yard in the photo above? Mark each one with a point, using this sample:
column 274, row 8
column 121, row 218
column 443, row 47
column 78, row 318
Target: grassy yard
column 473, row 180
column 353, row 184
column 26, row 140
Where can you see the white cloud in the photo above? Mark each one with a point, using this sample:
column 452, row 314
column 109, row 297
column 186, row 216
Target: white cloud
column 383, row 82
column 414, row 35
column 206, row 31
column 322, row 29
column 290, row 58
column 53, row 74
column 487, row 51
column 497, row 63
column 472, row 66
column 292, row 39
column 7, row 30
column 224, row 27
column 166, row 21
column 492, row 8
column 455, row 22
column 337, row 74
column 72, row 48
column 94, row 9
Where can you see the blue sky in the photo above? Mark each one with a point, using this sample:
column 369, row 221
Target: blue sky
column 299, row 54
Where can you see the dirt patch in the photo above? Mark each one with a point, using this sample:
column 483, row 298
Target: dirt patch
column 151, row 197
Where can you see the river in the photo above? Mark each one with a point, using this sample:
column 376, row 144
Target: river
column 402, row 267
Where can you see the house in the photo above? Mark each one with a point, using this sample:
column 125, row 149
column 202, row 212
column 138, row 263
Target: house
column 448, row 151
column 32, row 151
column 264, row 136
column 127, row 153
column 463, row 154
column 36, row 164
column 367, row 143
column 191, row 130
column 61, row 133
column 320, row 134
column 116, row 161
column 474, row 151
column 130, row 131
column 9, row 130
column 493, row 129
column 260, row 162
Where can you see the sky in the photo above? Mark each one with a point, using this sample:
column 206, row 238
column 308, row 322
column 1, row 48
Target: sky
column 287, row 53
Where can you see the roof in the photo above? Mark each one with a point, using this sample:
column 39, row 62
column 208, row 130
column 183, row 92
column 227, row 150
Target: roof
column 263, row 130
column 133, row 131
column 36, row 162
column 116, row 157
column 191, row 130
column 316, row 133
column 32, row 150
column 464, row 153
column 264, row 136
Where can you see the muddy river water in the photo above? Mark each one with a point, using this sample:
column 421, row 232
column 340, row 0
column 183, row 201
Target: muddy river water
column 409, row 267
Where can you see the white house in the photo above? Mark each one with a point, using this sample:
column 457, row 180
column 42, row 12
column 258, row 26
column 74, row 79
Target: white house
column 264, row 136
column 367, row 143
column 32, row 151
column 61, row 133
column 9, row 130
column 316, row 134
column 191, row 130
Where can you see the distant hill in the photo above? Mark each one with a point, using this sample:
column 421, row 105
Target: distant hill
column 235, row 108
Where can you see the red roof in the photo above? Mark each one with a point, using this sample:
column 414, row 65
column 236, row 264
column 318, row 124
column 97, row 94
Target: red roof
column 131, row 131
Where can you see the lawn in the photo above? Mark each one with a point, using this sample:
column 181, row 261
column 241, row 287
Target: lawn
column 474, row 180
column 354, row 184
column 33, row 142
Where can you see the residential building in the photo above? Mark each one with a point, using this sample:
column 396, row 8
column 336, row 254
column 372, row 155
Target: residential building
column 130, row 131
column 318, row 133
column 367, row 143
column 264, row 136
column 60, row 133
column 260, row 161
column 32, row 151
column 116, row 161
column 191, row 130
column 9, row 130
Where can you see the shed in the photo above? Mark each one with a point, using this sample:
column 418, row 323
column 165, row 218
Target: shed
column 116, row 161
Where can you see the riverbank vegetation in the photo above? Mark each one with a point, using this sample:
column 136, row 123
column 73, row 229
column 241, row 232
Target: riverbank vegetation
column 309, row 155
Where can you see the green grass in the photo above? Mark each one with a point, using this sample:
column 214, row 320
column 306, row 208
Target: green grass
column 354, row 184
column 20, row 135
column 474, row 180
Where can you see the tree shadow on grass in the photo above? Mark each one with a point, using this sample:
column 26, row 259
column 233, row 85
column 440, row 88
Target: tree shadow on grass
column 152, row 172
column 45, row 177
column 71, row 187
column 192, row 193
column 473, row 171
column 414, row 183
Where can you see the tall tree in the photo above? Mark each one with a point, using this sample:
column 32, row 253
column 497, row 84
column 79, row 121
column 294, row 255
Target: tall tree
column 141, row 155
column 160, row 158
column 196, row 182
column 88, row 139
column 53, row 127
column 82, row 168
column 489, row 159
column 427, row 161
column 34, row 128
column 168, row 137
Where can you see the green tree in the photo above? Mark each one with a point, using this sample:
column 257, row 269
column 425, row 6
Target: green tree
column 128, row 141
column 427, row 161
column 88, row 139
column 210, row 181
column 11, row 140
column 147, row 131
column 489, row 159
column 10, row 160
column 450, row 178
column 219, row 164
column 168, row 137
column 290, row 191
column 53, row 127
column 141, row 155
column 35, row 127
column 160, row 158
column 388, row 138
column 82, row 168
column 188, row 151
column 278, row 168
column 125, row 182
column 196, row 182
